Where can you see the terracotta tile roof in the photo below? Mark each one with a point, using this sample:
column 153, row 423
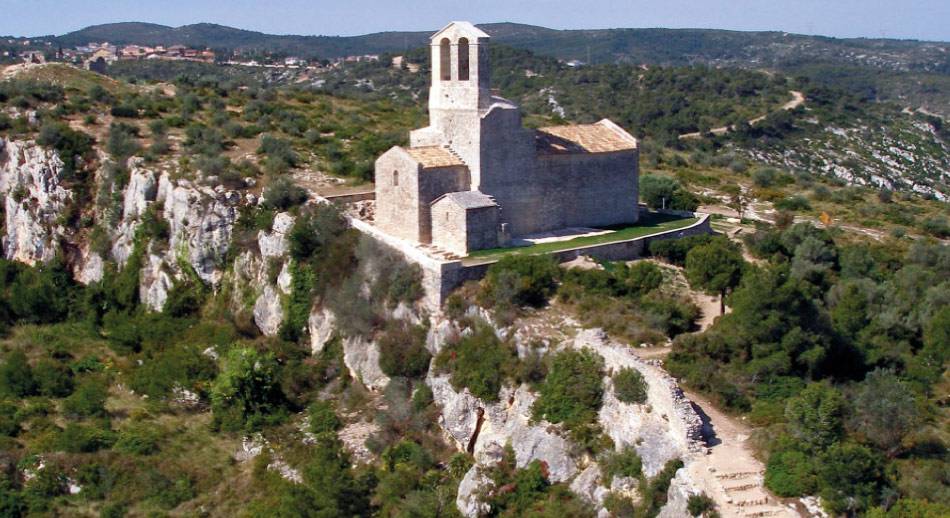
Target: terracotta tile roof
column 601, row 137
column 434, row 156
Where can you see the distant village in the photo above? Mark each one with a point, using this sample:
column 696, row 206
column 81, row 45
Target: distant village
column 98, row 56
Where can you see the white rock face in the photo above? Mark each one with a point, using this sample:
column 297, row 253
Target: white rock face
column 507, row 421
column 441, row 332
column 34, row 201
column 664, row 428
column 284, row 278
column 268, row 311
column 362, row 359
column 321, row 325
column 274, row 243
column 201, row 221
column 90, row 268
column 681, row 488
column 141, row 190
column 154, row 283
column 467, row 499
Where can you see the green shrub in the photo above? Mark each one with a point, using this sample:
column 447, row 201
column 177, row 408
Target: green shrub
column 629, row 386
column 674, row 250
column 790, row 473
column 69, row 144
column 664, row 192
column 139, row 439
column 16, row 376
column 88, row 400
column 851, row 478
column 246, row 394
column 9, row 419
column 323, row 418
column 282, row 194
column 793, row 203
column 528, row 280
column 815, row 417
column 573, row 390
column 624, row 463
column 78, row 438
column 479, row 362
column 53, row 378
column 123, row 141
column 700, row 504
column 402, row 350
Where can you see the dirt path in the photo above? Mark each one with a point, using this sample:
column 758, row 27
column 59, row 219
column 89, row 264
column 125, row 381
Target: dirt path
column 798, row 99
column 729, row 473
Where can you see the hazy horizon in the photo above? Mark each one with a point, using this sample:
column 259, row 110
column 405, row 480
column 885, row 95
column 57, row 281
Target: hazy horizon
column 915, row 19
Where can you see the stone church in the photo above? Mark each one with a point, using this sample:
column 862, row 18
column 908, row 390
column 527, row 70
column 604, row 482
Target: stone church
column 475, row 177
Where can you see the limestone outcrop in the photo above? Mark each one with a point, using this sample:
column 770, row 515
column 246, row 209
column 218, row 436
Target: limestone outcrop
column 34, row 201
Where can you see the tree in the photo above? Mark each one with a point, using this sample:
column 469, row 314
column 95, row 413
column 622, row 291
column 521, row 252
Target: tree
column 850, row 477
column 246, row 393
column 715, row 268
column 885, row 411
column 815, row 417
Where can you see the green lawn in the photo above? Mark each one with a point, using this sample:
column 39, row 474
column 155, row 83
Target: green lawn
column 648, row 224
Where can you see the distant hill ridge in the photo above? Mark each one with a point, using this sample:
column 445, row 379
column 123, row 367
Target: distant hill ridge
column 651, row 46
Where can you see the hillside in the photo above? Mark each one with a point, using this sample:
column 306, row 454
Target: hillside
column 916, row 73
column 185, row 331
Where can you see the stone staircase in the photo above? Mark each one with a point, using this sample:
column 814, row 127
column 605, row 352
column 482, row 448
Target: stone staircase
column 747, row 496
column 438, row 253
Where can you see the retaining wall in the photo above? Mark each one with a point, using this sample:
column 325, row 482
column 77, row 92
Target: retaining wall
column 440, row 277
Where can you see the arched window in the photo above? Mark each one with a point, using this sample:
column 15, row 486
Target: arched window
column 463, row 59
column 395, row 178
column 445, row 59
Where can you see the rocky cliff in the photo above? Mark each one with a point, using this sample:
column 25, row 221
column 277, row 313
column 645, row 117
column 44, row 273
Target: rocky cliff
column 195, row 246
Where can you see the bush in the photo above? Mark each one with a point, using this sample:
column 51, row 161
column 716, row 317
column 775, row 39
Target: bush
column 573, row 390
column 528, row 280
column 68, row 143
column 246, row 394
column 815, row 416
column 16, row 376
column 402, row 350
column 936, row 226
column 629, row 386
column 323, row 418
column 88, row 400
column 790, row 473
column 139, row 439
column 700, row 504
column 851, row 478
column 793, row 203
column 279, row 154
column 77, row 438
column 9, row 420
column 663, row 192
column 479, row 362
column 282, row 194
column 674, row 251
column 624, row 463
column 53, row 378
column 123, row 141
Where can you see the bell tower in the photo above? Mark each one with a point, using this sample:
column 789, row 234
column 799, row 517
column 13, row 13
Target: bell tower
column 460, row 71
column 459, row 94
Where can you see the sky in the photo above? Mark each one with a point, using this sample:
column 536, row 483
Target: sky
column 908, row 19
